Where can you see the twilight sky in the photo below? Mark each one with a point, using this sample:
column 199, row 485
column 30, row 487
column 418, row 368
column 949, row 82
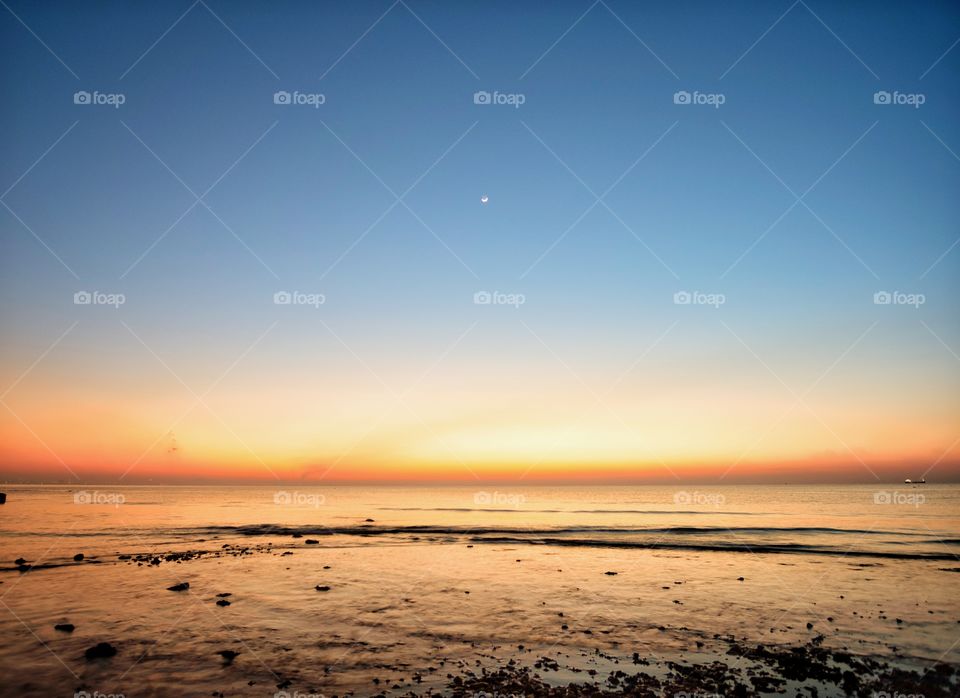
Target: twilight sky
column 791, row 170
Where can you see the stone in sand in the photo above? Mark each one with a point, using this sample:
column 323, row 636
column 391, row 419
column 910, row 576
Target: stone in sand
column 3, row 497
column 101, row 651
column 610, row 573
column 224, row 594
column 322, row 588
column 312, row 541
column 19, row 561
column 223, row 602
column 64, row 627
column 78, row 557
column 182, row 586
column 228, row 655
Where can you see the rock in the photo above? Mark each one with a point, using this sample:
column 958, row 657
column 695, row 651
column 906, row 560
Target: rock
column 78, row 557
column 739, row 579
column 228, row 655
column 64, row 627
column 223, row 602
column 182, row 586
column 312, row 541
column 3, row 497
column 369, row 521
column 19, row 561
column 224, row 595
column 610, row 573
column 101, row 651
column 322, row 588
column 809, row 626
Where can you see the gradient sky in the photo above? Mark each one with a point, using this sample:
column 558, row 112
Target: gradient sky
column 399, row 375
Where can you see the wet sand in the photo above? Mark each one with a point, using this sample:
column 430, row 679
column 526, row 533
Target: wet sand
column 284, row 615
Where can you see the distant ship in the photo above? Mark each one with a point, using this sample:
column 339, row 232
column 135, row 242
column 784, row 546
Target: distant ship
column 921, row 481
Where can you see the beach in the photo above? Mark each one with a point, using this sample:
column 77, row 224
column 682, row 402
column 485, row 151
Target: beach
column 264, row 591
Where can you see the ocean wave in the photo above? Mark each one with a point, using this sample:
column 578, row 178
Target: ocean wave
column 527, row 510
column 370, row 530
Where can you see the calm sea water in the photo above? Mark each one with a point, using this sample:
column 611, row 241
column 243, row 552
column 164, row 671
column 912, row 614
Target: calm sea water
column 417, row 579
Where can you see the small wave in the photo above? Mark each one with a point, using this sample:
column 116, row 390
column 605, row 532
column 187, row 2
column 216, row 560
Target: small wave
column 527, row 510
column 734, row 547
column 368, row 530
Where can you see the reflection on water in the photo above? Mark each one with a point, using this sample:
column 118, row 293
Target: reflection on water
column 419, row 583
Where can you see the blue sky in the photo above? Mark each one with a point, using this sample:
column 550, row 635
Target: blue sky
column 598, row 83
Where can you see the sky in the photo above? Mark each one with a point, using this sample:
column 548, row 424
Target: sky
column 429, row 241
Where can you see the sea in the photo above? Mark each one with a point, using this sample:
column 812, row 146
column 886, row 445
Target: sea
column 364, row 590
